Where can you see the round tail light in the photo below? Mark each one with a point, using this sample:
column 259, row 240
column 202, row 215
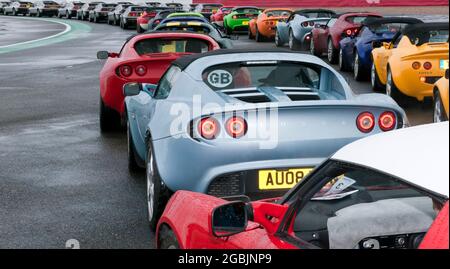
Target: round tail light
column 141, row 70
column 387, row 121
column 305, row 24
column 208, row 128
column 416, row 65
column 126, row 70
column 311, row 23
column 349, row 32
column 365, row 122
column 236, row 127
column 427, row 65
column 234, row 17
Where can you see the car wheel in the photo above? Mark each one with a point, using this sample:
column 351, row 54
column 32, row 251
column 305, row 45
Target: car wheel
column 68, row 16
column 258, row 36
column 342, row 65
column 157, row 194
column 312, row 48
column 374, row 79
column 358, row 71
column 109, row 119
column 293, row 43
column 167, row 238
column 394, row 92
column 14, row 12
column 38, row 14
column 439, row 114
column 277, row 40
column 95, row 20
column 132, row 162
column 331, row 52
column 139, row 28
column 250, row 35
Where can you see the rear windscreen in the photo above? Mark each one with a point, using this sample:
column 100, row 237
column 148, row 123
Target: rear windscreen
column 278, row 13
column 387, row 28
column 262, row 74
column 247, row 10
column 433, row 36
column 186, row 45
column 321, row 14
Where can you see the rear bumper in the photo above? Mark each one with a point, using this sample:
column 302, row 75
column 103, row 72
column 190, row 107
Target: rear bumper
column 409, row 83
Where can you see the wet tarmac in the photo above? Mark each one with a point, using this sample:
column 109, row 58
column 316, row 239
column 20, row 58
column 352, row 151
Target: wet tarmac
column 61, row 179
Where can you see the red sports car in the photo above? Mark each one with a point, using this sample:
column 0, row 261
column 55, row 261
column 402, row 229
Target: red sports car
column 144, row 58
column 326, row 37
column 347, row 202
column 217, row 17
column 142, row 21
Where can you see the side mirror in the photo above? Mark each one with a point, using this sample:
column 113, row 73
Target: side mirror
column 132, row 89
column 386, row 45
column 103, row 55
column 377, row 44
column 446, row 74
column 229, row 219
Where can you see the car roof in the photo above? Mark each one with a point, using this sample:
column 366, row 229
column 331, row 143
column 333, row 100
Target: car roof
column 423, row 27
column 419, row 155
column 378, row 21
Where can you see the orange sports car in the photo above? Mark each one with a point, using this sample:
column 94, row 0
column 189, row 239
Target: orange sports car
column 409, row 66
column 264, row 26
column 440, row 99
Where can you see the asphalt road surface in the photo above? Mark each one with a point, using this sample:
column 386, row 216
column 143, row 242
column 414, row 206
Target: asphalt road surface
column 60, row 179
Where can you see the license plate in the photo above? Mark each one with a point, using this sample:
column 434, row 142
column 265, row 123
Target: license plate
column 281, row 179
column 444, row 64
column 245, row 23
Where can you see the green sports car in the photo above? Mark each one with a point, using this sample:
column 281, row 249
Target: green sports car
column 239, row 18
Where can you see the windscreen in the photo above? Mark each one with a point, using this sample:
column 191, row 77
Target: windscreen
column 432, row 36
column 387, row 27
column 166, row 45
column 262, row 74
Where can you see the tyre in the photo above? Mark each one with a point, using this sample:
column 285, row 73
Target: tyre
column 439, row 114
column 38, row 14
column 157, row 194
column 133, row 165
column 14, row 12
column 312, row 48
column 109, row 119
column 375, row 80
column 95, row 19
column 167, row 238
column 68, row 15
column 139, row 29
column 293, row 43
column 250, row 35
column 359, row 74
column 277, row 40
column 332, row 52
column 343, row 66
column 258, row 36
column 394, row 92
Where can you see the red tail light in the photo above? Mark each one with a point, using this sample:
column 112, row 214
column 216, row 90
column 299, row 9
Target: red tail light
column 234, row 17
column 208, row 128
column 236, row 127
column 427, row 65
column 126, row 70
column 311, row 23
column 387, row 121
column 349, row 32
column 141, row 70
column 365, row 122
column 304, row 24
column 416, row 65
column 133, row 14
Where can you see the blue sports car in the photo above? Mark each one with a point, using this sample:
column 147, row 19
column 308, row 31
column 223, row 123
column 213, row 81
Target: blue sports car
column 235, row 122
column 355, row 50
column 297, row 29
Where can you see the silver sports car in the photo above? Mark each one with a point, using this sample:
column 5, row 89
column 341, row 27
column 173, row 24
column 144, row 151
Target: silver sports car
column 235, row 122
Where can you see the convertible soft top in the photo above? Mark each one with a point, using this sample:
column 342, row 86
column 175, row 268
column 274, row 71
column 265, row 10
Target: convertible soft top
column 244, row 7
column 425, row 27
column 185, row 61
column 378, row 21
column 318, row 10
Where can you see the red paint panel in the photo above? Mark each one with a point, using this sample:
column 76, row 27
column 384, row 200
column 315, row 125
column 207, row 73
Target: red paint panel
column 329, row 3
column 437, row 236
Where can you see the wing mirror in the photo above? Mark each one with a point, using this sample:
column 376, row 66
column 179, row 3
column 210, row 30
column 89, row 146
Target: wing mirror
column 446, row 74
column 134, row 88
column 229, row 219
column 387, row 45
column 103, row 55
column 377, row 44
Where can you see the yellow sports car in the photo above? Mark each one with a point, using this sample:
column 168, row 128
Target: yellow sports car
column 440, row 99
column 409, row 66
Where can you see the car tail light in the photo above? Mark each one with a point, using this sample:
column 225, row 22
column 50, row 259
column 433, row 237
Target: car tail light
column 157, row 21
column 141, row 70
column 126, row 70
column 208, row 128
column 416, row 65
column 234, row 17
column 349, row 32
column 133, row 14
column 236, row 127
column 365, row 122
column 427, row 65
column 311, row 23
column 305, row 24
column 387, row 121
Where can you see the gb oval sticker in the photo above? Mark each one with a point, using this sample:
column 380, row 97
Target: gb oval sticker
column 220, row 78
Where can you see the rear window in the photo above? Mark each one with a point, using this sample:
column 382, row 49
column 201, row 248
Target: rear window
column 359, row 19
column 195, row 29
column 433, row 36
column 387, row 28
column 156, row 45
column 262, row 74
column 278, row 13
column 247, row 10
